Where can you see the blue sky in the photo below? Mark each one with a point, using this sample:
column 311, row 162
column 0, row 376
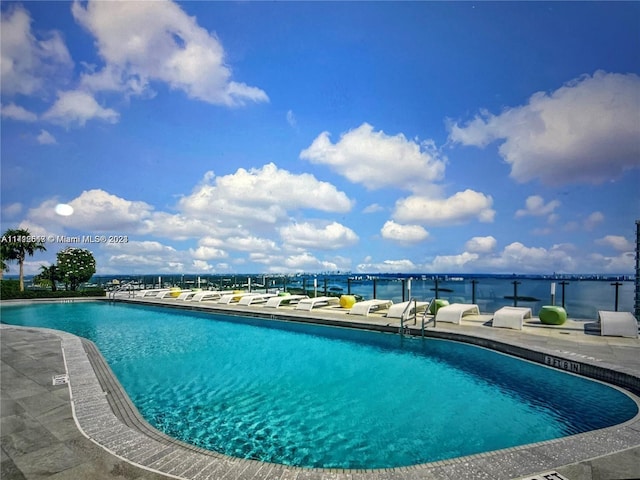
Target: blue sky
column 275, row 137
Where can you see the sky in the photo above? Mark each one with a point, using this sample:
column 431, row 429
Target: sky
column 283, row 137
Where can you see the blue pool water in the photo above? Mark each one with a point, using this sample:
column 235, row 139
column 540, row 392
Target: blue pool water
column 326, row 397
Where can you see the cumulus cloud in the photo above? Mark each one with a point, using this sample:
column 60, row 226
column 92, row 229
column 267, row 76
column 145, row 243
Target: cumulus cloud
column 12, row 210
column 330, row 236
column 459, row 208
column 16, row 112
column 377, row 160
column 404, row 234
column 617, row 242
column 373, row 208
column 593, row 220
column 261, row 195
column 142, row 42
column 76, row 107
column 30, row 65
column 453, row 263
column 535, row 206
column 584, row 132
column 389, row 266
column 95, row 211
column 45, row 138
column 304, row 262
column 481, row 244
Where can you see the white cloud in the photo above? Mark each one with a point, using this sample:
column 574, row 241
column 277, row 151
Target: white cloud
column 208, row 253
column 45, row 138
column 481, row 244
column 616, row 264
column 12, row 210
column 96, row 211
column 617, row 242
column 142, row 42
column 251, row 244
column 261, row 195
column 523, row 259
column 593, row 220
column 30, row 65
column 291, row 119
column 373, row 208
column 16, row 112
column 460, row 208
column 404, row 234
column 453, row 263
column 76, row 107
column 331, row 236
column 586, row 131
column 377, row 160
column 389, row 266
column 305, row 262
column 535, row 206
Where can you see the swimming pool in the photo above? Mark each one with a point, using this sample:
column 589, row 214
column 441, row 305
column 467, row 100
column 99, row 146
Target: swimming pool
column 327, row 397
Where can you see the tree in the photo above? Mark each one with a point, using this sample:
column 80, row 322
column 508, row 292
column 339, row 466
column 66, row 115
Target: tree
column 16, row 245
column 3, row 256
column 75, row 265
column 49, row 276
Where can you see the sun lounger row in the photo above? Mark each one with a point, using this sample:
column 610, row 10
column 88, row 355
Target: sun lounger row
column 622, row 324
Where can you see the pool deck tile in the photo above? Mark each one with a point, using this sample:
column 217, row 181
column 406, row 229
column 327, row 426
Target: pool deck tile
column 41, row 438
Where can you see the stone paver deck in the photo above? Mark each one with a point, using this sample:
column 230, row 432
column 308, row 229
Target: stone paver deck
column 57, row 431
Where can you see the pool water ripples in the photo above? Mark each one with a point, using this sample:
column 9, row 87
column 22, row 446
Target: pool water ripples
column 324, row 397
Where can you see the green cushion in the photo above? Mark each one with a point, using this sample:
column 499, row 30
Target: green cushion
column 552, row 315
column 437, row 304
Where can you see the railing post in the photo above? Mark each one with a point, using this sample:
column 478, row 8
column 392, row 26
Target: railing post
column 617, row 285
column 563, row 284
column 374, row 289
column 473, row 290
column 515, row 292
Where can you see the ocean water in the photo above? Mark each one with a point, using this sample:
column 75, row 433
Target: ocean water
column 318, row 396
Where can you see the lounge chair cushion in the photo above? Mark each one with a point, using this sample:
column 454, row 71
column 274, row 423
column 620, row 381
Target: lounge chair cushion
column 347, row 301
column 439, row 302
column 552, row 315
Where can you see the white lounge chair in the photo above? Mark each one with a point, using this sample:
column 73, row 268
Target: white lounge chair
column 396, row 310
column 511, row 317
column 309, row 304
column 617, row 324
column 170, row 293
column 209, row 295
column 453, row 313
column 367, row 306
column 229, row 298
column 279, row 300
column 257, row 298
column 186, row 296
column 151, row 292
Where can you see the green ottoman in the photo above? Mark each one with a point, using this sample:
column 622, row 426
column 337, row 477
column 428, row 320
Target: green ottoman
column 439, row 302
column 552, row 315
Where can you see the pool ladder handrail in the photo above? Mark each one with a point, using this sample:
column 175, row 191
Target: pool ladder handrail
column 427, row 312
column 119, row 288
column 407, row 311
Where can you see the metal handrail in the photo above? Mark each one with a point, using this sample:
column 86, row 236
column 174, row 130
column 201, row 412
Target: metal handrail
column 413, row 300
column 426, row 312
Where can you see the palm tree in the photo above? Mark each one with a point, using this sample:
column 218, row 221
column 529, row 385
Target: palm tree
column 50, row 275
column 16, row 245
